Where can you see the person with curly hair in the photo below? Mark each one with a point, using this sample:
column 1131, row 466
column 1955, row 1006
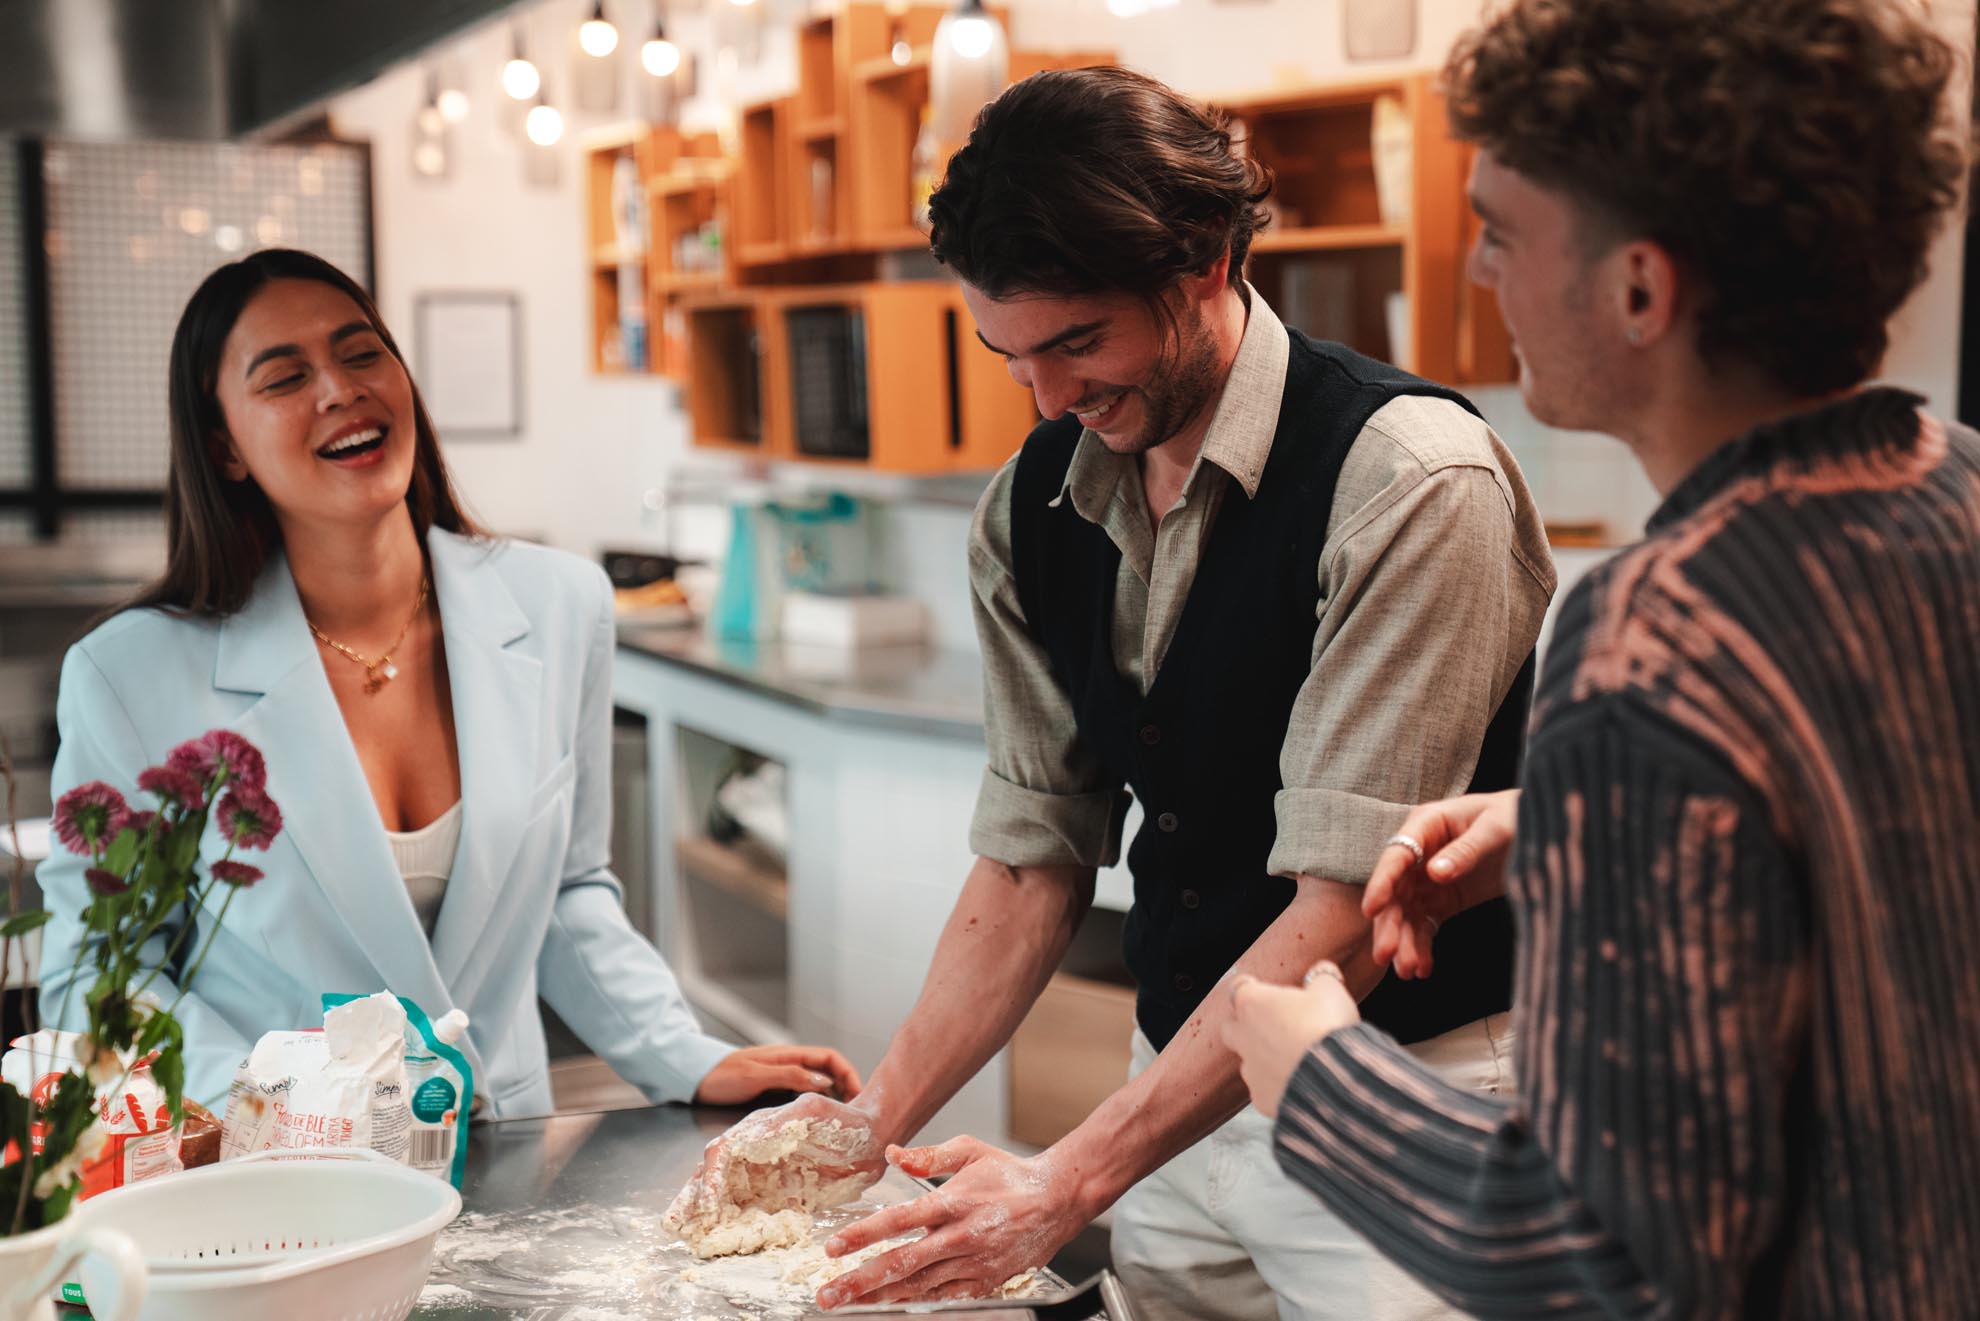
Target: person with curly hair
column 1748, row 1070
column 1276, row 589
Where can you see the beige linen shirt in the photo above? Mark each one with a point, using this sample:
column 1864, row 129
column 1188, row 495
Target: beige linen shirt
column 1434, row 578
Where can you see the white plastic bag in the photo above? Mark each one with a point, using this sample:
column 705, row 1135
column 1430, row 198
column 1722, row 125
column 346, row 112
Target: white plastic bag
column 343, row 1086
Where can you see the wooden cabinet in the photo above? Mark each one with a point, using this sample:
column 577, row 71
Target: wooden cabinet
column 682, row 180
column 877, row 375
column 759, row 268
column 727, row 358
column 1368, row 242
column 1070, row 1054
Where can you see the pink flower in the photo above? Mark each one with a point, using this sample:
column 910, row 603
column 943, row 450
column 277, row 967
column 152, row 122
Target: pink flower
column 105, row 882
column 218, row 749
column 175, row 785
column 90, row 815
column 141, row 821
column 249, row 817
column 236, row 873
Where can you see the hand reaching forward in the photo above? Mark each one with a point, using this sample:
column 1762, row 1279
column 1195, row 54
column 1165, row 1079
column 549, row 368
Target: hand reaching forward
column 1466, row 842
column 997, row 1216
column 743, row 1075
column 1272, row 1027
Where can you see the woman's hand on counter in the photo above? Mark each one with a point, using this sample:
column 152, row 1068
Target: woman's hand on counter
column 1465, row 842
column 996, row 1216
column 746, row 1074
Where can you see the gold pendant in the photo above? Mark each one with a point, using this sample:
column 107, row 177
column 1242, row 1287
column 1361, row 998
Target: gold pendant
column 377, row 676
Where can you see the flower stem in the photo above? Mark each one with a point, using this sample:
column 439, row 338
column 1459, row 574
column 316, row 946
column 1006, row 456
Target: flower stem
column 192, row 917
column 186, row 982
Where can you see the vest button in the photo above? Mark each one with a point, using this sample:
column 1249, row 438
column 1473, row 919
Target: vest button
column 1190, row 899
column 1167, row 823
column 1151, row 735
column 1183, row 982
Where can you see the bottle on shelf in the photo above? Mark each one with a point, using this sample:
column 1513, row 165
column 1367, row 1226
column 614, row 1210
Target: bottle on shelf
column 925, row 164
column 629, row 237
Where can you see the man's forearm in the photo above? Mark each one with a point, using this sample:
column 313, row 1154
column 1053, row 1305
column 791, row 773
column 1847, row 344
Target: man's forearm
column 1194, row 1086
column 1003, row 941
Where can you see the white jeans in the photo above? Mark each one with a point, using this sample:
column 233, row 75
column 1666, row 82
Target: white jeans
column 1220, row 1233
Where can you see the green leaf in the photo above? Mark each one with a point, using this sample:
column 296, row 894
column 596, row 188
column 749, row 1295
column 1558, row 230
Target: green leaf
column 154, row 1032
column 183, row 847
column 21, row 923
column 57, row 1206
column 169, row 1069
column 122, row 853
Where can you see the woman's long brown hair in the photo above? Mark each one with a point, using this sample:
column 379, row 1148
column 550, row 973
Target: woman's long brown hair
column 219, row 533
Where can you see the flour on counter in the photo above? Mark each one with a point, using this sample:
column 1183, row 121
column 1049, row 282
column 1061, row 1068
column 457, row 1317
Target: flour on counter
column 591, row 1263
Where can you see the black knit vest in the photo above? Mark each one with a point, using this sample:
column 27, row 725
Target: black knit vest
column 1201, row 750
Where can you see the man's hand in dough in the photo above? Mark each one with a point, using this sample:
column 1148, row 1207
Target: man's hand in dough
column 997, row 1216
column 775, row 1160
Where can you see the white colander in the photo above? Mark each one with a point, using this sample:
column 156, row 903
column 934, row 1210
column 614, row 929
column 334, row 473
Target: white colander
column 340, row 1234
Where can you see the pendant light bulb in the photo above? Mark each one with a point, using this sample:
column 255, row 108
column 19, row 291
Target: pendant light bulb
column 659, row 56
column 597, row 37
column 971, row 31
column 453, row 105
column 968, row 67
column 971, row 36
column 544, row 124
column 430, row 120
column 520, row 79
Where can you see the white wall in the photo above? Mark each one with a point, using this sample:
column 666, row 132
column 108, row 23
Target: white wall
column 589, row 444
column 592, row 445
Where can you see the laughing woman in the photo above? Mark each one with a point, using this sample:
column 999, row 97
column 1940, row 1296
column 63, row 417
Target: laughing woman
column 435, row 706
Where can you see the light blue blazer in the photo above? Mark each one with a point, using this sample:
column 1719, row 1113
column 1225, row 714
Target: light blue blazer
column 532, row 905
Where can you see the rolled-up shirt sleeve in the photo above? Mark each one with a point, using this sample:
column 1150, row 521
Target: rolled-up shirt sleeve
column 1045, row 799
column 1431, row 599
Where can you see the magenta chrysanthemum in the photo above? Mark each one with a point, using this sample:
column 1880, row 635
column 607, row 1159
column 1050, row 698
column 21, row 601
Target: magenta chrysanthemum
column 248, row 817
column 175, row 785
column 203, row 758
column 90, row 815
column 140, row 821
column 105, row 882
column 236, row 873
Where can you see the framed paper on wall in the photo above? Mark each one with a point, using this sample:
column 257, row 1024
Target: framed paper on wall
column 467, row 358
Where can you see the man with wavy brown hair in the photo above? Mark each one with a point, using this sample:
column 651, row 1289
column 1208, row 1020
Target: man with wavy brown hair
column 1276, row 589
column 1749, row 1070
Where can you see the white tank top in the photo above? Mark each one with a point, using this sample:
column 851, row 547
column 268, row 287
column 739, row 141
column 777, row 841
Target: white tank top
column 426, row 859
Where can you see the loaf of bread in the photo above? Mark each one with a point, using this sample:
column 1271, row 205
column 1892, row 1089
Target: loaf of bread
column 199, row 1137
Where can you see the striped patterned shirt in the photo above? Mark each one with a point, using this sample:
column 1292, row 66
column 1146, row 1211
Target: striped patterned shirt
column 1748, row 886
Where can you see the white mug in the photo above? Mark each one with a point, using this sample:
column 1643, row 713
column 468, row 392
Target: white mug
column 104, row 1261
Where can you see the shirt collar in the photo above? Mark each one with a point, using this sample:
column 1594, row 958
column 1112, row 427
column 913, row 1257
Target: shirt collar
column 1240, row 436
column 1877, row 421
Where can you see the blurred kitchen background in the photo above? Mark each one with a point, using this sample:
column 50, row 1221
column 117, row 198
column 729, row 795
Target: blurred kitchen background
column 656, row 267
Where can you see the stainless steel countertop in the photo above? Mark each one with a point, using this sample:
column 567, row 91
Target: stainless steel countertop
column 561, row 1222
column 917, row 688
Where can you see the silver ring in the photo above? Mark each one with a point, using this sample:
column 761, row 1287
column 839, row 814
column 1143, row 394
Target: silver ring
column 1324, row 968
column 1407, row 841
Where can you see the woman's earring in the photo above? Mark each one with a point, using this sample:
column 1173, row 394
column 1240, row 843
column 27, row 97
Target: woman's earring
column 1634, row 335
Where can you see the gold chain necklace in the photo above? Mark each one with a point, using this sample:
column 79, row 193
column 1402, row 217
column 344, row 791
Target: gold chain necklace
column 377, row 673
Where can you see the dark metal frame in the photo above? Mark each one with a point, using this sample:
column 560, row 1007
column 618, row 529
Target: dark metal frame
column 45, row 497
